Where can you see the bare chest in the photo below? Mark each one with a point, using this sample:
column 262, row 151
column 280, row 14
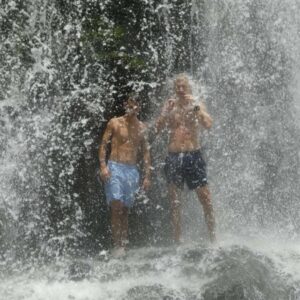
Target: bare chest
column 128, row 134
column 184, row 118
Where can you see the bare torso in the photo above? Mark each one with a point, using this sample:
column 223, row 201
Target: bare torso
column 126, row 140
column 184, row 129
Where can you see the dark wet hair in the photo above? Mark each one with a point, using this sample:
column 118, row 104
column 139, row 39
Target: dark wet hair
column 133, row 97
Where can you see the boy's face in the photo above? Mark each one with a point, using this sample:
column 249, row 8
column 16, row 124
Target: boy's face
column 132, row 107
column 181, row 88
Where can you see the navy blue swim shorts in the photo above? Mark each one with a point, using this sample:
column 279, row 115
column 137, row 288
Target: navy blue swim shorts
column 186, row 167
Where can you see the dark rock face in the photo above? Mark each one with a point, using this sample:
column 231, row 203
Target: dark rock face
column 72, row 66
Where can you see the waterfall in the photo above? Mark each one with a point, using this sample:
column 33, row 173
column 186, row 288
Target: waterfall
column 66, row 68
column 65, row 71
column 254, row 148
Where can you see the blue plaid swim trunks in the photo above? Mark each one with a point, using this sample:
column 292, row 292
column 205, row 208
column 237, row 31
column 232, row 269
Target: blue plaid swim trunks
column 123, row 183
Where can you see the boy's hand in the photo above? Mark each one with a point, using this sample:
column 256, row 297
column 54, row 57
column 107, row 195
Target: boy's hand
column 189, row 98
column 168, row 106
column 105, row 173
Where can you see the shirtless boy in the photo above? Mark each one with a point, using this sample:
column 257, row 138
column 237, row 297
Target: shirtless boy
column 127, row 136
column 184, row 164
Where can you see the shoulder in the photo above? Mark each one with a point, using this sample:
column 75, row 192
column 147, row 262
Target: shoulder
column 202, row 105
column 111, row 124
column 114, row 121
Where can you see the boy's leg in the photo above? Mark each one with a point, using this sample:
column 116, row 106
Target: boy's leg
column 124, row 226
column 204, row 197
column 116, row 222
column 174, row 196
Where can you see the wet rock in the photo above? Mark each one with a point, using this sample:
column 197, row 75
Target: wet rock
column 79, row 270
column 152, row 292
column 194, row 255
column 235, row 292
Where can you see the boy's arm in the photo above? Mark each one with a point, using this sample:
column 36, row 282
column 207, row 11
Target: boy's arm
column 204, row 117
column 160, row 123
column 146, row 160
column 106, row 139
column 163, row 118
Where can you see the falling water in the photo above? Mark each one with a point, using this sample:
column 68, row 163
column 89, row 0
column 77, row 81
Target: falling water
column 64, row 71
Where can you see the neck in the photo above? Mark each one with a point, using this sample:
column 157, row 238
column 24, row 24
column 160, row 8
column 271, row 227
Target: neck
column 130, row 118
column 182, row 101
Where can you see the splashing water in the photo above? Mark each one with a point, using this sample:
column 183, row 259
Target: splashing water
column 64, row 69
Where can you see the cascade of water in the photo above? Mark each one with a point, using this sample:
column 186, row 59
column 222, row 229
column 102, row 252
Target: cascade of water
column 64, row 71
column 253, row 147
column 243, row 53
column 40, row 94
column 62, row 76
